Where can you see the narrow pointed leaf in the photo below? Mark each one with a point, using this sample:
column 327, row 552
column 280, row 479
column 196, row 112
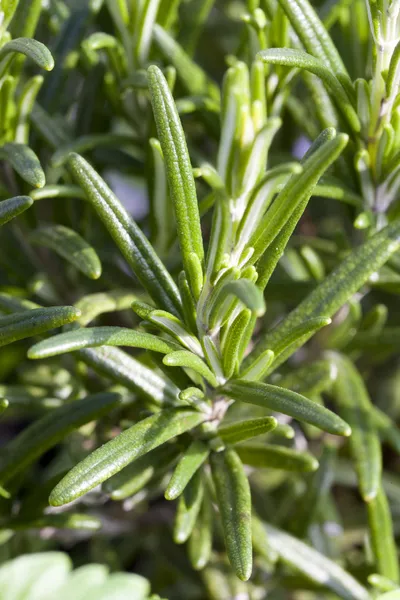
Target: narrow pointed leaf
column 276, row 457
column 48, row 431
column 25, row 162
column 13, row 207
column 314, row 37
column 295, row 194
column 314, row 565
column 382, row 536
column 92, row 337
column 71, row 246
column 191, row 461
column 337, row 288
column 119, row 452
column 287, row 402
column 133, row 245
column 28, row 323
column 178, row 168
column 234, row 502
column 189, row 505
column 355, row 406
column 243, row 430
column 302, row 60
column 302, row 332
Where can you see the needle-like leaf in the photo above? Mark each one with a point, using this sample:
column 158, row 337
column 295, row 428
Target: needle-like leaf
column 71, row 246
column 92, row 337
column 134, row 246
column 25, row 162
column 28, row 323
column 290, row 403
column 234, row 501
column 178, row 169
column 119, row 452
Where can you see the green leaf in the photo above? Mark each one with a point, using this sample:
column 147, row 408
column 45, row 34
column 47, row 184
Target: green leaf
column 48, row 431
column 93, row 305
column 336, row 289
column 243, row 430
column 200, row 541
column 189, row 505
column 259, row 366
column 25, row 162
column 295, row 194
column 119, row 452
column 184, row 358
column 302, row 332
column 71, row 246
column 117, row 365
column 232, row 342
column 354, row 404
column 13, row 207
column 134, row 246
column 33, row 49
column 248, row 293
column 92, row 337
column 58, row 191
column 189, row 464
column 314, row 565
column 287, row 402
column 135, row 476
column 179, row 169
column 8, row 8
column 234, row 502
column 382, row 536
column 176, row 329
column 310, row 379
column 314, row 36
column 28, row 323
column 302, row 60
column 276, row 457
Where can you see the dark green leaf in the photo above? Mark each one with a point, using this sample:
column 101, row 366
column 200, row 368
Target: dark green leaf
column 234, row 501
column 134, row 246
column 13, row 207
column 28, row 323
column 285, row 401
column 71, row 246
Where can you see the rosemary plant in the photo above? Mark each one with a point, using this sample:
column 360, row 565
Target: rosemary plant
column 255, row 298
